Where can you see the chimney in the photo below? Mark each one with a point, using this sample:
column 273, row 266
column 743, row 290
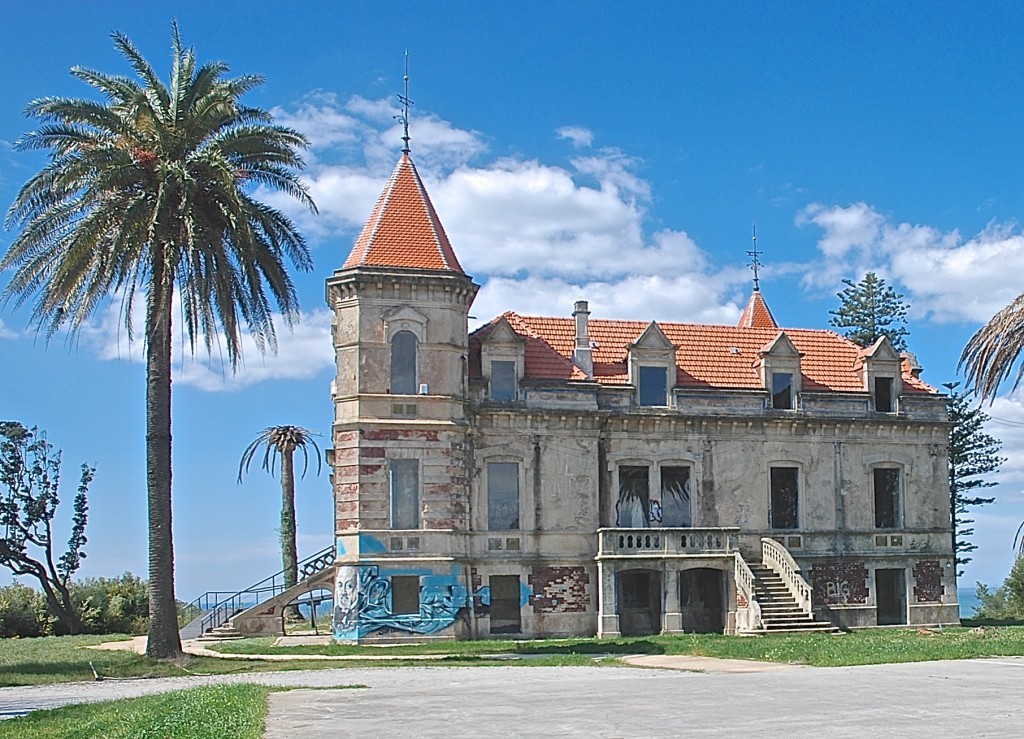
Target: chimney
column 582, row 356
column 910, row 364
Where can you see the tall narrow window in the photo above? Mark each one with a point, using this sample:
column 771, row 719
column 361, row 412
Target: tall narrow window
column 883, row 394
column 632, row 510
column 887, row 498
column 503, row 380
column 403, row 363
column 405, row 594
column 675, row 496
column 502, row 496
column 784, row 498
column 782, row 390
column 653, row 386
column 405, row 494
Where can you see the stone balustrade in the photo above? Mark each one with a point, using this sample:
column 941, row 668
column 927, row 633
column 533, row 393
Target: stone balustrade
column 666, row 542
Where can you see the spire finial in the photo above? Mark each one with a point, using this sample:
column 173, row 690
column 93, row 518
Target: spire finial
column 754, row 254
column 406, row 102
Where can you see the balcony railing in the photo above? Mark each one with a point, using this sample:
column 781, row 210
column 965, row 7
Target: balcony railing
column 674, row 542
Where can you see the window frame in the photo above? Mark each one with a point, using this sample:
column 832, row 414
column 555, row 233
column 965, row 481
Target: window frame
column 876, row 395
column 406, row 581
column 783, row 397
column 772, row 494
column 687, row 495
column 399, row 354
column 647, row 369
column 511, row 366
column 896, row 495
column 491, row 476
column 394, row 467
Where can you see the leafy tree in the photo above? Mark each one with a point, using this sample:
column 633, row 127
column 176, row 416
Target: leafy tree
column 282, row 441
column 973, row 454
column 23, row 612
column 151, row 191
column 29, row 482
column 869, row 310
column 1006, row 601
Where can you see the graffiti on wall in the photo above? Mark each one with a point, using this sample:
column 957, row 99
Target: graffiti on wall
column 364, row 602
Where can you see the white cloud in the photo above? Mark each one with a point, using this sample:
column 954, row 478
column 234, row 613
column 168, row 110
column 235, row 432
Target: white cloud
column 944, row 276
column 580, row 137
column 5, row 332
column 302, row 351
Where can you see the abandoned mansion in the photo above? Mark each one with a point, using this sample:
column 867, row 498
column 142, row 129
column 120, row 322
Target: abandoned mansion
column 580, row 476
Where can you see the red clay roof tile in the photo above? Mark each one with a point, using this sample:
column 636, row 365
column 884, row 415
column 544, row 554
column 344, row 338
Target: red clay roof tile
column 757, row 314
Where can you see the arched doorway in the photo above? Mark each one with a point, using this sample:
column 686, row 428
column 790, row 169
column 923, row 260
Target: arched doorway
column 702, row 600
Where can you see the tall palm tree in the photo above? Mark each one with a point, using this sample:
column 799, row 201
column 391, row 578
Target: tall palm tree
column 992, row 352
column 282, row 441
column 151, row 190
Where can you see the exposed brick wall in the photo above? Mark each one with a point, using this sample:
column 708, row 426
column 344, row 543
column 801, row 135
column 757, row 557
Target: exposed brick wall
column 928, row 576
column 839, row 583
column 477, row 583
column 559, row 589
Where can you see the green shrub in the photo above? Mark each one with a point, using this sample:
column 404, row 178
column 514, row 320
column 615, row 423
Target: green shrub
column 23, row 612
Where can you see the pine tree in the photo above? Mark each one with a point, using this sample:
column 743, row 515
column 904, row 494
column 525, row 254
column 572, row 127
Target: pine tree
column 869, row 310
column 973, row 454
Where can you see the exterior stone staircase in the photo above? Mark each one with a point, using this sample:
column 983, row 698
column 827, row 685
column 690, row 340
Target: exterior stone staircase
column 780, row 612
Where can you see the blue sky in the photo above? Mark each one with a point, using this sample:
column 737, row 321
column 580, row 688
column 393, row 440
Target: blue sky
column 613, row 152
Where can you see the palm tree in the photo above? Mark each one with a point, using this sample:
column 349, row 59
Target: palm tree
column 151, row 191
column 282, row 441
column 992, row 352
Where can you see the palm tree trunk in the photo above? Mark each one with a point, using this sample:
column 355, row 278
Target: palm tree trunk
column 164, row 641
column 289, row 554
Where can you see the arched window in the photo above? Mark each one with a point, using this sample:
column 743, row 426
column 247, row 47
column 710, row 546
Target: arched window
column 403, row 363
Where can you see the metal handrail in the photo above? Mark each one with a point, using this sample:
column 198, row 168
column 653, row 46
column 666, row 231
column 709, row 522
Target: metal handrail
column 222, row 610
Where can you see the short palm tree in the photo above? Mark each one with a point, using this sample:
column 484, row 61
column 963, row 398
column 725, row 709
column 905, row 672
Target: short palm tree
column 151, row 190
column 282, row 441
column 992, row 352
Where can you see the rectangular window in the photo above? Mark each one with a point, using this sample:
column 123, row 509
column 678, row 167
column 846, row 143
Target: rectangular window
column 675, row 496
column 502, row 496
column 653, row 386
column 782, row 390
column 784, row 498
column 405, row 493
column 883, row 394
column 887, row 498
column 405, row 594
column 505, row 610
column 632, row 510
column 503, row 381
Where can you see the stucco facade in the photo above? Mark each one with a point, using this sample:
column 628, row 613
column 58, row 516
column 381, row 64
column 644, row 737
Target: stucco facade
column 571, row 476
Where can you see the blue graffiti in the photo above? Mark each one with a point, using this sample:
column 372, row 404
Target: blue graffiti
column 364, row 602
column 371, row 544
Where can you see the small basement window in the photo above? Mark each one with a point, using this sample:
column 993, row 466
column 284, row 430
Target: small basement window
column 653, row 386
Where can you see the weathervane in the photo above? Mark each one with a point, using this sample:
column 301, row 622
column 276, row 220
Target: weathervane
column 753, row 254
column 406, row 102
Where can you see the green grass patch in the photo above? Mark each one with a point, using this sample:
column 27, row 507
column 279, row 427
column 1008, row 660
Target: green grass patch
column 59, row 659
column 212, row 712
column 872, row 646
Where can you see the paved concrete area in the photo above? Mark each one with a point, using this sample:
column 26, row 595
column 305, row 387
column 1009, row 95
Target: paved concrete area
column 977, row 698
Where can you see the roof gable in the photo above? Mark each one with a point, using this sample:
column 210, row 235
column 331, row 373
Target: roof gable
column 780, row 346
column 403, row 230
column 652, row 338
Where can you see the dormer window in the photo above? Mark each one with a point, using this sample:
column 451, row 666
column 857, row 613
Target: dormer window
column 503, row 380
column 883, row 394
column 782, row 390
column 653, row 386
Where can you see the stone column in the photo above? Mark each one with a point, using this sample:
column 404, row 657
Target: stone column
column 672, row 620
column 607, row 614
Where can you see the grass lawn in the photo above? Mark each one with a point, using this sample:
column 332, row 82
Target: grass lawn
column 213, row 712
column 59, row 659
column 866, row 647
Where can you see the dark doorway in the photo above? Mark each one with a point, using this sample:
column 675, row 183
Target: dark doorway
column 505, row 611
column 700, row 601
column 639, row 602
column 891, row 597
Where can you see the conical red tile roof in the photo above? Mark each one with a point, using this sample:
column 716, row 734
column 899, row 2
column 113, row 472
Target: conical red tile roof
column 757, row 314
column 404, row 230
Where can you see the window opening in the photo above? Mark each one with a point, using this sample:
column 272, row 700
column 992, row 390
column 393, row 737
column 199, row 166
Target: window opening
column 403, row 363
column 506, row 613
column 883, row 394
column 502, row 496
column 784, row 498
column 675, row 497
column 634, row 498
column 653, row 386
column 782, row 390
column 503, row 380
column 405, row 594
column 405, row 494
column 887, row 498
